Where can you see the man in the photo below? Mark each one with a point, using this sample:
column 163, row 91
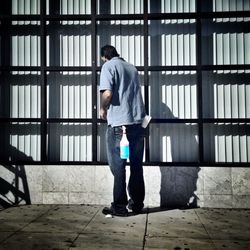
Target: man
column 122, row 105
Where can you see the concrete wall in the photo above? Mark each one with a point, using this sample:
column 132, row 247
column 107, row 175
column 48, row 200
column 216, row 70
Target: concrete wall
column 166, row 186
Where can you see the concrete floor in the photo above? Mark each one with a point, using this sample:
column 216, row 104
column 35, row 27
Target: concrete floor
column 85, row 227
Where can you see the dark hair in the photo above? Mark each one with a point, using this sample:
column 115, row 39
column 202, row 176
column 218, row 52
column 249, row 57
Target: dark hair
column 109, row 52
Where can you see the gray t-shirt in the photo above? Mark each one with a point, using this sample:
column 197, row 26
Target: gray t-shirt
column 126, row 105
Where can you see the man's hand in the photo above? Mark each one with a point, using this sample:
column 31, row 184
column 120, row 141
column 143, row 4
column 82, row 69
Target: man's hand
column 103, row 114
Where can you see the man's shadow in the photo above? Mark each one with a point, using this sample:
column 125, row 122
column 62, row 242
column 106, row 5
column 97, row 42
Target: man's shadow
column 178, row 184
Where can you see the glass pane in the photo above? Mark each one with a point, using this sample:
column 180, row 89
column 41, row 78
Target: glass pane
column 173, row 94
column 101, row 142
column 24, row 40
column 173, row 142
column 226, row 41
column 226, row 94
column 69, row 43
column 119, row 6
column 20, row 141
column 20, row 94
column 69, row 94
column 25, row 7
column 126, row 36
column 225, row 5
column 69, row 142
column 171, row 6
column 68, row 7
column 172, row 42
column 227, row 142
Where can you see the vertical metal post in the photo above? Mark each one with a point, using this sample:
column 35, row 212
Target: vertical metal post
column 5, row 93
column 146, row 78
column 199, row 80
column 43, row 83
column 94, row 80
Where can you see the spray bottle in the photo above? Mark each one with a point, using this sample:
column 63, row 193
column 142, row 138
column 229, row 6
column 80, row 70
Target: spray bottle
column 124, row 145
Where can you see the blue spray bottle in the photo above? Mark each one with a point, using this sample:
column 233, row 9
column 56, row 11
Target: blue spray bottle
column 124, row 145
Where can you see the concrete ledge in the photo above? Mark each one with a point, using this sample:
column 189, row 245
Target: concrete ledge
column 165, row 186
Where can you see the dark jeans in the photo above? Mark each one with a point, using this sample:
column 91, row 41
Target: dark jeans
column 136, row 188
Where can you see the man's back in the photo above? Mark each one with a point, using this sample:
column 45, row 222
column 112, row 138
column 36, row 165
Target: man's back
column 122, row 79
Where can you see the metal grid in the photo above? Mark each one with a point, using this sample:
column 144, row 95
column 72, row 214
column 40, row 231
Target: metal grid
column 49, row 11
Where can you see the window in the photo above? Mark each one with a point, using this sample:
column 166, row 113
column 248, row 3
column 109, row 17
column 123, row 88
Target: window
column 193, row 60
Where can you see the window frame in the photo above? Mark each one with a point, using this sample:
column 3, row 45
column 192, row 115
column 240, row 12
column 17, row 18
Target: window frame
column 199, row 68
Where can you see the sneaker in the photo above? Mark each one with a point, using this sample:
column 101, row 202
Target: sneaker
column 107, row 210
column 136, row 209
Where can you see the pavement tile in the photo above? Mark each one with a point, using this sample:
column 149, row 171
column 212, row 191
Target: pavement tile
column 176, row 223
column 38, row 241
column 131, row 225
column 163, row 243
column 231, row 244
column 107, row 241
column 15, row 218
column 4, row 235
column 63, row 218
column 226, row 224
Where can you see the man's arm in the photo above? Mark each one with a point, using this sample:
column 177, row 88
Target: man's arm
column 106, row 97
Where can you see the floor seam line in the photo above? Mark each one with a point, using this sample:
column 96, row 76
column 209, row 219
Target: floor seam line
column 78, row 234
column 145, row 231
column 205, row 229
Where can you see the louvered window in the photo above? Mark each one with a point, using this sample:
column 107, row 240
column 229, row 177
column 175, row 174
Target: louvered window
column 193, row 59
